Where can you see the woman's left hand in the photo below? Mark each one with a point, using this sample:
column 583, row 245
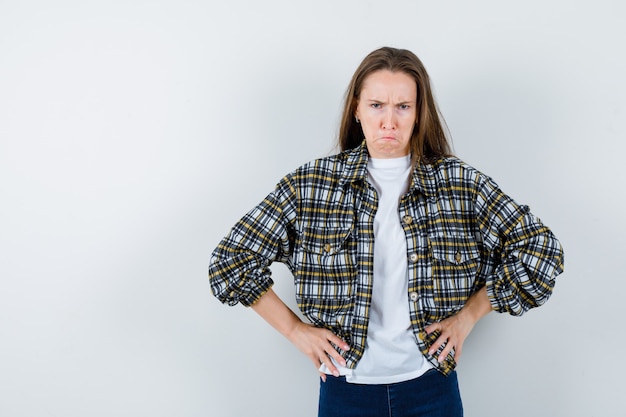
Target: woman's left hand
column 455, row 329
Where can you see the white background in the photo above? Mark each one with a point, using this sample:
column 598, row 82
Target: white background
column 133, row 134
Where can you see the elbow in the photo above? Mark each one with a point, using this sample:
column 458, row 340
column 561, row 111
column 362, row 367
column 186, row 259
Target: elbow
column 518, row 288
column 233, row 286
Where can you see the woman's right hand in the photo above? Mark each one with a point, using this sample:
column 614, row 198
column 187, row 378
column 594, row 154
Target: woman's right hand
column 316, row 343
column 313, row 341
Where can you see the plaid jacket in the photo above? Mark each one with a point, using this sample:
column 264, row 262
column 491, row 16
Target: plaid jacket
column 462, row 233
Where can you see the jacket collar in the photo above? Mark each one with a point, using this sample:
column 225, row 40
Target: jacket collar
column 355, row 170
column 423, row 180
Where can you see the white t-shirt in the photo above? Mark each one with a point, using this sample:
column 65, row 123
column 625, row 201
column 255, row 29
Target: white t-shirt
column 391, row 354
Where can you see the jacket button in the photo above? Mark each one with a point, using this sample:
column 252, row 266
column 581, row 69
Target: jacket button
column 407, row 219
column 457, row 257
column 327, row 247
column 413, row 296
column 413, row 257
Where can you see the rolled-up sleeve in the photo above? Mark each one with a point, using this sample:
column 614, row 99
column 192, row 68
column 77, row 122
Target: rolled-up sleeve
column 239, row 267
column 528, row 257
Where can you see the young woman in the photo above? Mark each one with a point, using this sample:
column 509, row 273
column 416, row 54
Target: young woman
column 397, row 249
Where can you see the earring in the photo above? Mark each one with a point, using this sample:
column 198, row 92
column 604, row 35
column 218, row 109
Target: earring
column 357, row 119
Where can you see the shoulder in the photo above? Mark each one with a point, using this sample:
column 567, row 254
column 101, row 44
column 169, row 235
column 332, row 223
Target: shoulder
column 453, row 167
column 327, row 169
column 316, row 185
column 453, row 172
column 330, row 163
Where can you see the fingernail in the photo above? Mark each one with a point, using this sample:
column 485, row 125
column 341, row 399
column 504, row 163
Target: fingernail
column 335, row 373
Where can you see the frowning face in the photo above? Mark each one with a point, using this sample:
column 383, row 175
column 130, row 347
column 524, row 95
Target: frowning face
column 387, row 110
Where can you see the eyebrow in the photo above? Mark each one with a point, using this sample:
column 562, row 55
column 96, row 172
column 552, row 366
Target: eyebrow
column 384, row 102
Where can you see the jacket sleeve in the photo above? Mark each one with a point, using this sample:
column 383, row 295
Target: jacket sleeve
column 239, row 267
column 528, row 257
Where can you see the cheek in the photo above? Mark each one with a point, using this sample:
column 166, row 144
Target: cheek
column 368, row 125
column 410, row 125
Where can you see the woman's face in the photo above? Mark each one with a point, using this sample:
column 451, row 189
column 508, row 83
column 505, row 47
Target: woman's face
column 387, row 113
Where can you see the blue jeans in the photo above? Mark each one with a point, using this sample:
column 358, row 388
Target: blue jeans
column 430, row 395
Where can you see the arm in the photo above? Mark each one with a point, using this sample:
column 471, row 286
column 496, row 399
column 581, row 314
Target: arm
column 239, row 273
column 239, row 268
column 315, row 343
column 529, row 258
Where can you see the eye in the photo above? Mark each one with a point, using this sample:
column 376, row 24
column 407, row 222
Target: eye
column 404, row 106
column 376, row 105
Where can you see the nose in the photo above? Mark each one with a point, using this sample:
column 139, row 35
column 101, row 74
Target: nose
column 389, row 119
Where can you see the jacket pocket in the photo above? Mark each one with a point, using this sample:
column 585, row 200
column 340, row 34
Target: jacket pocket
column 325, row 240
column 325, row 261
column 455, row 261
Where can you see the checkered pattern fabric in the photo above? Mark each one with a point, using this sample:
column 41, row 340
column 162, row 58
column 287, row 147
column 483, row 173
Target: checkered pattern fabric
column 462, row 233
